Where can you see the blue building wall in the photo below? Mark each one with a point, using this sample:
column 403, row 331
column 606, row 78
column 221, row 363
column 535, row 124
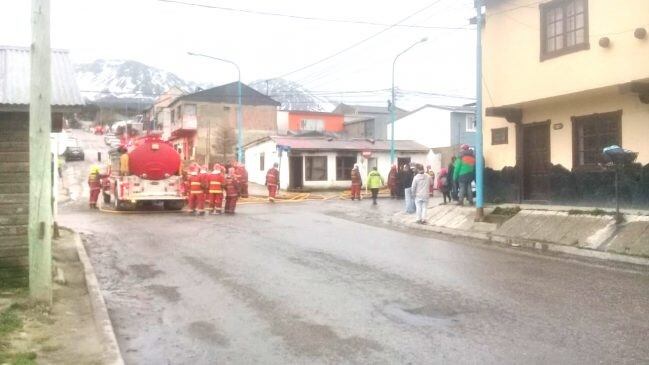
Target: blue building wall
column 459, row 134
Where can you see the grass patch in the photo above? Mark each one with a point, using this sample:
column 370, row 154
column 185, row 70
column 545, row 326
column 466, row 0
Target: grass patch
column 593, row 212
column 21, row 358
column 508, row 212
column 10, row 320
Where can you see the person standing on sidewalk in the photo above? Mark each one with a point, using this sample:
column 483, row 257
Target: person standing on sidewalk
column 452, row 184
column 443, row 184
column 357, row 182
column 392, row 181
column 420, row 193
column 407, row 177
column 463, row 173
column 374, row 183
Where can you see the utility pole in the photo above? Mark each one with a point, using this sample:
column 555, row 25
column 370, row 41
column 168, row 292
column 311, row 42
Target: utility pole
column 479, row 173
column 393, row 103
column 40, row 167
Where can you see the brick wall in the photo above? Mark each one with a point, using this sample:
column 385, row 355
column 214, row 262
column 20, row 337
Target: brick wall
column 14, row 197
column 258, row 121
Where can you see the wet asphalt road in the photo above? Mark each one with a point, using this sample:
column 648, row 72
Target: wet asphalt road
column 332, row 282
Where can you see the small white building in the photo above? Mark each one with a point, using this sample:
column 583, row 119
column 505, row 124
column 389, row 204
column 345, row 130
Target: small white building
column 324, row 162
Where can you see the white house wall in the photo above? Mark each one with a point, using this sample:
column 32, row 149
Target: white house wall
column 269, row 149
column 428, row 126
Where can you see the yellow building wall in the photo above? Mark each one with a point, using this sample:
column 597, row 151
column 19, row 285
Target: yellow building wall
column 513, row 72
column 635, row 126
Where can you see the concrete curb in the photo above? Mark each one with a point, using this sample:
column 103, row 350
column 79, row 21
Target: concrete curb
column 99, row 310
column 537, row 245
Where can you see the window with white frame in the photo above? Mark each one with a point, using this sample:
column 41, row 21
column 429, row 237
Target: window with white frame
column 312, row 125
column 470, row 123
column 315, row 168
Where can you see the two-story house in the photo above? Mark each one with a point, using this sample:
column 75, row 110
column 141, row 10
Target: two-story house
column 203, row 124
column 363, row 121
column 562, row 80
column 305, row 121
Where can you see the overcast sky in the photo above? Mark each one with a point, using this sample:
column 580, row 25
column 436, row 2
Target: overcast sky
column 160, row 34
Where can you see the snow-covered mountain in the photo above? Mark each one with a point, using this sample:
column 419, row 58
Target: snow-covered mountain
column 125, row 79
column 121, row 81
column 292, row 95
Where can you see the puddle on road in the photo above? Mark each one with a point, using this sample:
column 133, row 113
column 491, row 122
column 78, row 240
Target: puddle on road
column 425, row 316
column 169, row 293
column 144, row 271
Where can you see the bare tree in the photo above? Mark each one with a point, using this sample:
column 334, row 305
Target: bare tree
column 225, row 142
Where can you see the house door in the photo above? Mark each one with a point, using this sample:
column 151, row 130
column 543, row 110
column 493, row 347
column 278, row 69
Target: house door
column 402, row 161
column 536, row 161
column 296, row 172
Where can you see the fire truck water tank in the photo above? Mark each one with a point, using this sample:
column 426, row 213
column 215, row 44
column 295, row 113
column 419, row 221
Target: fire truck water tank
column 153, row 159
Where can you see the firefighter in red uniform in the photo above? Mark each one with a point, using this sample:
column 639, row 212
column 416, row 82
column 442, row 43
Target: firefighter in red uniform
column 241, row 174
column 272, row 182
column 94, row 182
column 196, row 194
column 231, row 191
column 215, row 182
column 356, row 183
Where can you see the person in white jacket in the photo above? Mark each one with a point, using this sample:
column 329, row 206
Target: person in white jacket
column 420, row 192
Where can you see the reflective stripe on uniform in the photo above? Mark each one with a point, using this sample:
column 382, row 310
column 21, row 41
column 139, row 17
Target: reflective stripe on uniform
column 216, row 191
column 195, row 183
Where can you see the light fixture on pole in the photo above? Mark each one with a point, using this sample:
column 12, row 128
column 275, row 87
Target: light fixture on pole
column 393, row 103
column 239, row 117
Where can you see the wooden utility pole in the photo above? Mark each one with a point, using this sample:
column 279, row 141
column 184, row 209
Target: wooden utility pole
column 40, row 168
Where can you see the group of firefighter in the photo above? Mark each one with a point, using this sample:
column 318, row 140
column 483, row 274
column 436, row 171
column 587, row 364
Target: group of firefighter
column 207, row 191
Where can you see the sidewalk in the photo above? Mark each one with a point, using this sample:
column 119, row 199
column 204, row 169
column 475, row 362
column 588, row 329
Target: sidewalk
column 578, row 231
column 66, row 332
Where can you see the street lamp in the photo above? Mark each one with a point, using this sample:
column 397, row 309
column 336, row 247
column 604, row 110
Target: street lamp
column 239, row 119
column 393, row 105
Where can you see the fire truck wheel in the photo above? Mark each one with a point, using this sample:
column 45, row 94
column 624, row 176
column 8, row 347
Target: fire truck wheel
column 174, row 204
column 106, row 198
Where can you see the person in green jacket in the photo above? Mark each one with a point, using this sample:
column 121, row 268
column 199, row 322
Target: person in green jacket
column 374, row 183
column 463, row 173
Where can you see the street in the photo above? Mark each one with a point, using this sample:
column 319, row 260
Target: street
column 333, row 282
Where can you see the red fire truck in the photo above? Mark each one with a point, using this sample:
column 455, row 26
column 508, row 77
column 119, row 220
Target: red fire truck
column 150, row 172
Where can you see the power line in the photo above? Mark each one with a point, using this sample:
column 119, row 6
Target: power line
column 310, row 18
column 359, row 42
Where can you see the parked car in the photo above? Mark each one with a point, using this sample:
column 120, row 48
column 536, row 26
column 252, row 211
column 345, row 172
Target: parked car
column 74, row 153
column 108, row 136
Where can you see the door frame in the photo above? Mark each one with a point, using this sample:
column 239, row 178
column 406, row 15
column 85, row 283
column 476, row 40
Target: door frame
column 292, row 184
column 520, row 151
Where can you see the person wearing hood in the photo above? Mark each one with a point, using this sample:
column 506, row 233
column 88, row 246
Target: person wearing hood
column 420, row 193
column 392, row 181
column 444, row 184
column 463, row 173
column 357, row 182
column 374, row 183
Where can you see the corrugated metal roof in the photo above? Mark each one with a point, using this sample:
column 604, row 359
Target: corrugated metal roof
column 228, row 94
column 324, row 143
column 15, row 65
